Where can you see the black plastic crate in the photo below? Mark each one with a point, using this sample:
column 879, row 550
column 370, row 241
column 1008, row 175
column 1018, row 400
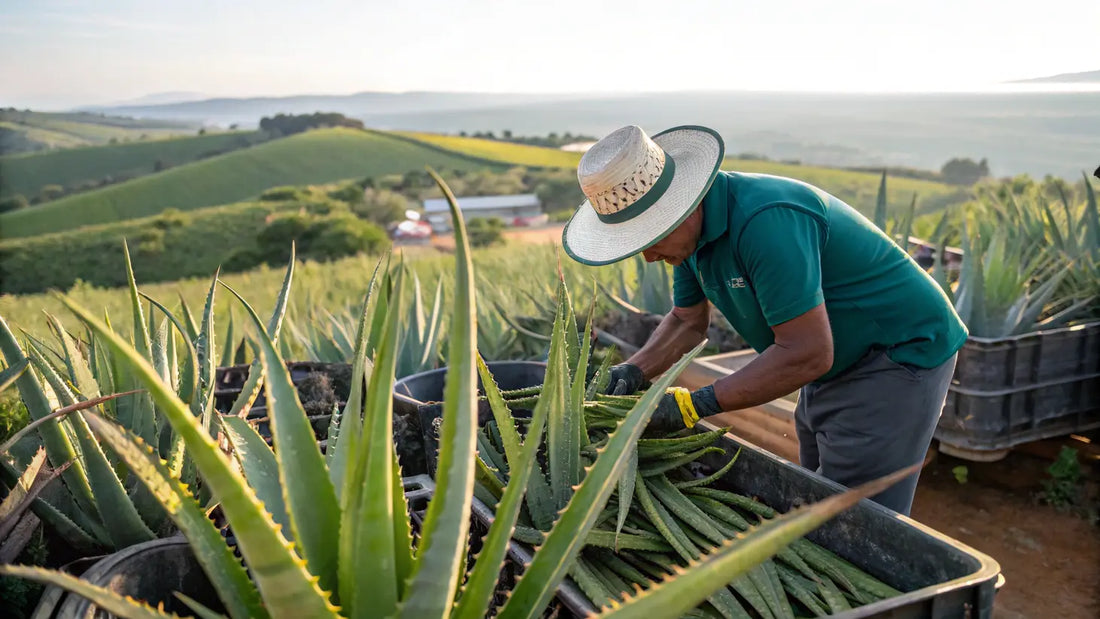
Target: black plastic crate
column 1008, row 391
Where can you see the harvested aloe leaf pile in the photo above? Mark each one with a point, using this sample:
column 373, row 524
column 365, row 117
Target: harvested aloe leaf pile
column 665, row 512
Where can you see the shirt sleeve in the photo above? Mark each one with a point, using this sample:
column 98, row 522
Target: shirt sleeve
column 781, row 250
column 686, row 290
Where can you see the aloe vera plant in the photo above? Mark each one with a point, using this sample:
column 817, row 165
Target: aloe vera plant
column 344, row 545
column 100, row 507
column 1028, row 264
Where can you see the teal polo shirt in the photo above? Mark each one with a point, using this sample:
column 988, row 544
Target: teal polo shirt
column 773, row 248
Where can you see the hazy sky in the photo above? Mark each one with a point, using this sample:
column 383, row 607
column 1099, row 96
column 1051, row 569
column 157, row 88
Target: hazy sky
column 59, row 53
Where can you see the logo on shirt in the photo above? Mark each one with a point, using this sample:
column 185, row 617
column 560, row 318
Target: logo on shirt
column 735, row 282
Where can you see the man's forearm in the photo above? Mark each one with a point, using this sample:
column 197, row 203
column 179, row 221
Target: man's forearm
column 777, row 372
column 672, row 338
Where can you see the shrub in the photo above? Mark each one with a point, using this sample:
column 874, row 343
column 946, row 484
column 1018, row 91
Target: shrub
column 343, row 235
column 351, row 193
column 14, row 203
column 381, row 206
column 50, row 192
column 280, row 194
column 485, row 231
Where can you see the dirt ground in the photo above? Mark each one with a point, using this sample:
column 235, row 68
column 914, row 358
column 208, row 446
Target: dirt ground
column 1050, row 559
column 550, row 233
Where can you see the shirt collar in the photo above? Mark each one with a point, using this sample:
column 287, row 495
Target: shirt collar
column 715, row 211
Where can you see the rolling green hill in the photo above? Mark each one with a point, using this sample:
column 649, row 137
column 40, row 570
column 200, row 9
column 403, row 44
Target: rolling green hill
column 320, row 156
column 27, row 174
column 26, row 131
column 856, row 188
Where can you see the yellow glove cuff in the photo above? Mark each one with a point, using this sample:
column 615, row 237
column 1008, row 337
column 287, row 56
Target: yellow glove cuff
column 687, row 407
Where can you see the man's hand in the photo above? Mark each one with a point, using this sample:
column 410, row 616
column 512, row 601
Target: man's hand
column 626, row 379
column 680, row 408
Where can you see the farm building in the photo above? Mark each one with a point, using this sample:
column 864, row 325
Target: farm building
column 515, row 210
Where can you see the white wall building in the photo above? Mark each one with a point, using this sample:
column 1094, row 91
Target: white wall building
column 516, row 210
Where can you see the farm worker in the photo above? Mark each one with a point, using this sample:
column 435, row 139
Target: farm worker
column 834, row 307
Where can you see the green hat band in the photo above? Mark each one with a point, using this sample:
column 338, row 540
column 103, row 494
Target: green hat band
column 647, row 200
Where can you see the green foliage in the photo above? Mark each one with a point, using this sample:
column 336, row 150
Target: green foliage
column 486, row 231
column 283, row 194
column 961, row 473
column 321, row 156
column 50, row 192
column 960, row 171
column 18, row 596
column 172, row 245
column 13, row 203
column 288, row 124
column 382, row 206
column 1064, row 489
column 317, row 237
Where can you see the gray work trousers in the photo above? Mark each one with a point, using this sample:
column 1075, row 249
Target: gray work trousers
column 873, row 419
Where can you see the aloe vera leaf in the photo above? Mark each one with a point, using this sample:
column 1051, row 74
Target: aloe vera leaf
column 349, row 424
column 105, row 599
column 736, row 557
column 490, row 455
column 402, row 529
column 1091, row 216
column 541, row 579
column 612, row 581
column 258, row 464
column 880, row 204
column 481, row 582
column 562, row 448
column 79, row 372
column 746, row 587
column 288, row 589
column 489, row 478
column 141, row 333
column 720, row 511
column 679, row 504
column 72, row 533
column 783, row 607
column 11, row 508
column 206, row 360
column 602, row 377
column 682, row 543
column 224, row 570
column 859, row 578
column 311, row 503
column 823, row 564
column 443, row 542
column 626, row 490
column 658, row 447
column 202, row 612
column 832, row 595
column 624, row 570
column 114, row 506
column 590, row 585
column 736, row 500
column 188, row 378
column 662, row 466
column 251, row 388
column 713, row 477
column 802, row 591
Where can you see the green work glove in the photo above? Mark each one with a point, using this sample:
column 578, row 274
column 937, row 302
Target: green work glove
column 680, row 408
column 626, row 379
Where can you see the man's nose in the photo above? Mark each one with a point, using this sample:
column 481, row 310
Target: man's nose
column 651, row 256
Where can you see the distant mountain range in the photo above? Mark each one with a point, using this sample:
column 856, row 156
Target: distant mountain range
column 1084, row 77
column 1036, row 132
column 248, row 111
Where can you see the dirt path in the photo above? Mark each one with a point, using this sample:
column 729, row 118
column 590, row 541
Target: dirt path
column 1050, row 559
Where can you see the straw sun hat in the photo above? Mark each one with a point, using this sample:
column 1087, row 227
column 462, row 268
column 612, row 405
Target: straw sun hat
column 639, row 189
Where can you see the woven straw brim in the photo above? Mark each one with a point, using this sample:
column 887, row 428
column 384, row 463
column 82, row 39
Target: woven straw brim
column 698, row 154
